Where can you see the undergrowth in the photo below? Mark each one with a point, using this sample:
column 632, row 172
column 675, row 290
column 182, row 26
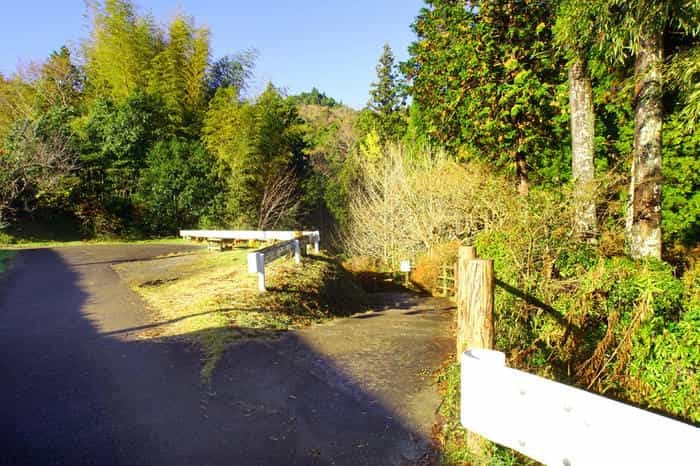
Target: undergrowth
column 213, row 302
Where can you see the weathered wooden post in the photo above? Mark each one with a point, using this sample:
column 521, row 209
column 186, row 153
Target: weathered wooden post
column 474, row 301
column 475, row 286
column 464, row 255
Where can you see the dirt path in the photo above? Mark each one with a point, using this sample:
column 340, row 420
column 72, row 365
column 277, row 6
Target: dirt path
column 76, row 388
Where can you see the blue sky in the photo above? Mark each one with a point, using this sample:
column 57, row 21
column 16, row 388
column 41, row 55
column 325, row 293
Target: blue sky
column 333, row 45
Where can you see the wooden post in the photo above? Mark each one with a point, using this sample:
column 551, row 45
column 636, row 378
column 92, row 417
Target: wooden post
column 464, row 255
column 475, row 305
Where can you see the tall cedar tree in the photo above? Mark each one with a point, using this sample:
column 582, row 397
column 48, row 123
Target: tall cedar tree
column 388, row 98
column 639, row 27
column 573, row 33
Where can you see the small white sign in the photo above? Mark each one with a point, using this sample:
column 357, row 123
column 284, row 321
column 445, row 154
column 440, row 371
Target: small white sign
column 405, row 266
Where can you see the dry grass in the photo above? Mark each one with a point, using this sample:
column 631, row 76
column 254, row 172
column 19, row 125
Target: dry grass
column 211, row 300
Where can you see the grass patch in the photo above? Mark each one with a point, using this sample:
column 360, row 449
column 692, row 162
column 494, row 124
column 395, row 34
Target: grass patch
column 24, row 243
column 451, row 437
column 211, row 300
column 5, row 258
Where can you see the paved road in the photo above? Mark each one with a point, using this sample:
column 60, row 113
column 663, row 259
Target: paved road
column 75, row 388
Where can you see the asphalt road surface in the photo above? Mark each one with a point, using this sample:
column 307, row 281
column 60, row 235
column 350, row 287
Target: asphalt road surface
column 77, row 388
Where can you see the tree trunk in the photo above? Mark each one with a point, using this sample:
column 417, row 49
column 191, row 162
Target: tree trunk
column 644, row 209
column 582, row 145
column 521, row 170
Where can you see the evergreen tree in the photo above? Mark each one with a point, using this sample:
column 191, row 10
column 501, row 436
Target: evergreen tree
column 486, row 77
column 388, row 98
column 638, row 28
column 573, row 31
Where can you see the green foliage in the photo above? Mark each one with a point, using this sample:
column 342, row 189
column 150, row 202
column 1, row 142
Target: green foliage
column 177, row 74
column 314, row 97
column 331, row 137
column 387, row 104
column 119, row 50
column 115, row 139
column 257, row 144
column 617, row 326
column 486, row 76
column 231, row 71
column 681, row 194
column 176, row 187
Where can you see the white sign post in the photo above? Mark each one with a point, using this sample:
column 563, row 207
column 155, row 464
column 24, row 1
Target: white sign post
column 405, row 267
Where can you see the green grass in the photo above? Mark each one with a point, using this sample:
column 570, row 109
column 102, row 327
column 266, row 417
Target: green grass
column 211, row 300
column 5, row 259
column 47, row 230
column 15, row 243
column 455, row 445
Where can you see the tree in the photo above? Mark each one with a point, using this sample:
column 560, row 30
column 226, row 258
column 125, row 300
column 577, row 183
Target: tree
column 314, row 97
column 388, row 98
column 638, row 28
column 485, row 77
column 115, row 139
column 232, row 71
column 59, row 82
column 36, row 163
column 257, row 144
column 177, row 186
column 572, row 31
column 178, row 74
column 119, row 51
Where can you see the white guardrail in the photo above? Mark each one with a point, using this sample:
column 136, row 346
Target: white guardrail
column 291, row 242
column 560, row 425
column 259, row 235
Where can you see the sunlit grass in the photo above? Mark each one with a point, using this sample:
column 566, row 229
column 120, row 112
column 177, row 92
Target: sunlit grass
column 212, row 301
column 28, row 244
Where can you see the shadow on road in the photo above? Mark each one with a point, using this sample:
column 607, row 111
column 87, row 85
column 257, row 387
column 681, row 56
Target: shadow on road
column 72, row 394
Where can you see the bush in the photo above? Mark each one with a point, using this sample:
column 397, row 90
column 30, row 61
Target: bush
column 177, row 187
column 428, row 269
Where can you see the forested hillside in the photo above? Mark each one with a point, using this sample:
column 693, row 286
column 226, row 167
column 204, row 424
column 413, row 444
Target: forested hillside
column 141, row 131
column 559, row 137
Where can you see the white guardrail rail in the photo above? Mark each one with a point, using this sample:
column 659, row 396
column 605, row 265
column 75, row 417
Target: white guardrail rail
column 560, row 425
column 291, row 242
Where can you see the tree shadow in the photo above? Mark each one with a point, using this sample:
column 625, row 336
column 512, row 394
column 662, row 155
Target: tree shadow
column 534, row 301
column 78, row 391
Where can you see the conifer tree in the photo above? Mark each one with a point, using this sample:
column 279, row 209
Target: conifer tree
column 388, row 98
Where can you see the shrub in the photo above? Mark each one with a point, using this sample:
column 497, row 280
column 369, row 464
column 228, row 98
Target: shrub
column 428, row 269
